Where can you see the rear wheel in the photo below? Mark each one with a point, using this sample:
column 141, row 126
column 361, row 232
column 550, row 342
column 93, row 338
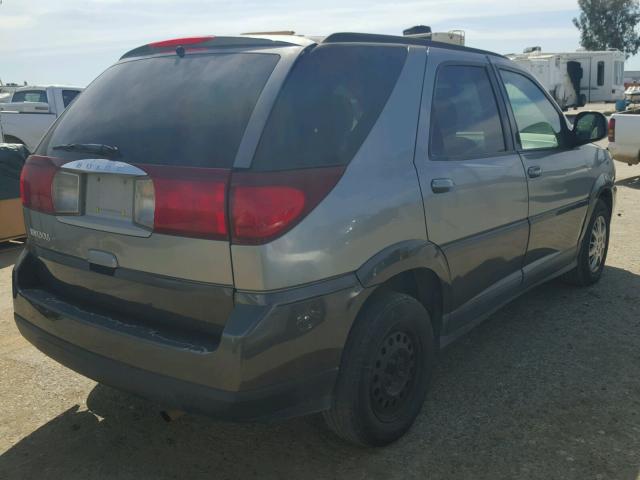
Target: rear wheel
column 594, row 248
column 385, row 372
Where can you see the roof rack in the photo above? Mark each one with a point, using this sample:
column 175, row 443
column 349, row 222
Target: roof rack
column 350, row 37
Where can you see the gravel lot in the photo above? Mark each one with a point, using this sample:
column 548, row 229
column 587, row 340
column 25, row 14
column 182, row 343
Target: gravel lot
column 548, row 388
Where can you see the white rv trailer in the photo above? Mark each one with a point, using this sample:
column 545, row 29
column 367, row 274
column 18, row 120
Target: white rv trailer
column 7, row 89
column 577, row 78
column 455, row 37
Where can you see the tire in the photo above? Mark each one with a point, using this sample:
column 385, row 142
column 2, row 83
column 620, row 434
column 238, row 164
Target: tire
column 591, row 263
column 385, row 373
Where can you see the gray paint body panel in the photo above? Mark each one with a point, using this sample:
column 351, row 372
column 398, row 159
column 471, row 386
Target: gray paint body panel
column 188, row 258
column 375, row 204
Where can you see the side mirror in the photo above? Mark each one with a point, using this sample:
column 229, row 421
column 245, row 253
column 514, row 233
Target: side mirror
column 589, row 127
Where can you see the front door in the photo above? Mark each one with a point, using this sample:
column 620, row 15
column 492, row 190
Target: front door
column 558, row 177
column 473, row 184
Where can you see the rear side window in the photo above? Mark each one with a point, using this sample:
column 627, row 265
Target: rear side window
column 30, row 96
column 327, row 106
column 189, row 111
column 68, row 96
column 464, row 115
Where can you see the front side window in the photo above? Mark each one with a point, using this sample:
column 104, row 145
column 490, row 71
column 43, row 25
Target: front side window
column 464, row 115
column 538, row 122
column 600, row 74
column 30, row 96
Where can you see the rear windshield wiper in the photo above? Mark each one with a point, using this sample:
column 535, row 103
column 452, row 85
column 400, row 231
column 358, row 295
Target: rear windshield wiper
column 97, row 148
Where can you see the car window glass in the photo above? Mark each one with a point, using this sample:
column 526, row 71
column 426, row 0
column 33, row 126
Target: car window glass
column 464, row 115
column 328, row 105
column 68, row 96
column 538, row 122
column 167, row 110
column 30, row 96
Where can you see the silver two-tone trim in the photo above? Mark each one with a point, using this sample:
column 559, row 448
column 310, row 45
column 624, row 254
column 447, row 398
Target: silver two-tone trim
column 102, row 165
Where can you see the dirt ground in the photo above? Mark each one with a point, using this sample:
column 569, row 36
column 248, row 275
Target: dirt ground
column 547, row 388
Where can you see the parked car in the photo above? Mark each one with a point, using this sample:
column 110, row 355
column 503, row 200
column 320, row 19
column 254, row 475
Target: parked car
column 305, row 226
column 624, row 136
column 12, row 159
column 31, row 111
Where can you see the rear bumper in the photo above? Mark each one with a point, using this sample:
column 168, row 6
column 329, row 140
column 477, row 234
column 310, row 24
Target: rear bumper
column 624, row 153
column 293, row 398
column 278, row 355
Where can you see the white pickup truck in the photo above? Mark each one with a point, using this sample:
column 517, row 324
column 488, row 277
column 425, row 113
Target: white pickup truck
column 624, row 136
column 26, row 118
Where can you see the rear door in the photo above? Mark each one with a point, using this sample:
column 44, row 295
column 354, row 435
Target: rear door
column 559, row 177
column 473, row 183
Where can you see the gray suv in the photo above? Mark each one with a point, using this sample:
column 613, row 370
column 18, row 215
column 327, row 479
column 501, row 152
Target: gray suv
column 261, row 227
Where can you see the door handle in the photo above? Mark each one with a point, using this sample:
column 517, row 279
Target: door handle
column 534, row 172
column 441, row 185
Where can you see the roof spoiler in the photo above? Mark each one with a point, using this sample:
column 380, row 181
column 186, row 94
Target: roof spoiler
column 180, row 45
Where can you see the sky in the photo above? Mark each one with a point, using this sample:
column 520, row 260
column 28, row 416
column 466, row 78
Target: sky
column 71, row 41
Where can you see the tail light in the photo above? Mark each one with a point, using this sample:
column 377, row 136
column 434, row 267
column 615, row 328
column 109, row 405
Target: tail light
column 264, row 205
column 192, row 202
column 183, row 201
column 45, row 188
column 175, row 42
column 612, row 130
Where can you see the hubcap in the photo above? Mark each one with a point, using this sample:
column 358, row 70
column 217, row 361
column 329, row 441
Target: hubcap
column 597, row 243
column 393, row 374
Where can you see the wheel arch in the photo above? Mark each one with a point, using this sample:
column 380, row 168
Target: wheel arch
column 415, row 267
column 603, row 188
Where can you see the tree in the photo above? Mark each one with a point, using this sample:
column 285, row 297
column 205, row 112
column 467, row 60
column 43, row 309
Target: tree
column 609, row 24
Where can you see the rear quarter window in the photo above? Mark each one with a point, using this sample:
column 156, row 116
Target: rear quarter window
column 327, row 106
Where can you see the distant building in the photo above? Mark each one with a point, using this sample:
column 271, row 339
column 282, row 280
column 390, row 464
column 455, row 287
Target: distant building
column 576, row 78
column 631, row 77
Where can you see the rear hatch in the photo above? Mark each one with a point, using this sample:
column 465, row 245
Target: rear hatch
column 126, row 195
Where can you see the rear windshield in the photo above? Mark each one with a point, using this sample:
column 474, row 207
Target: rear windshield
column 327, row 106
column 30, row 96
column 188, row 111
